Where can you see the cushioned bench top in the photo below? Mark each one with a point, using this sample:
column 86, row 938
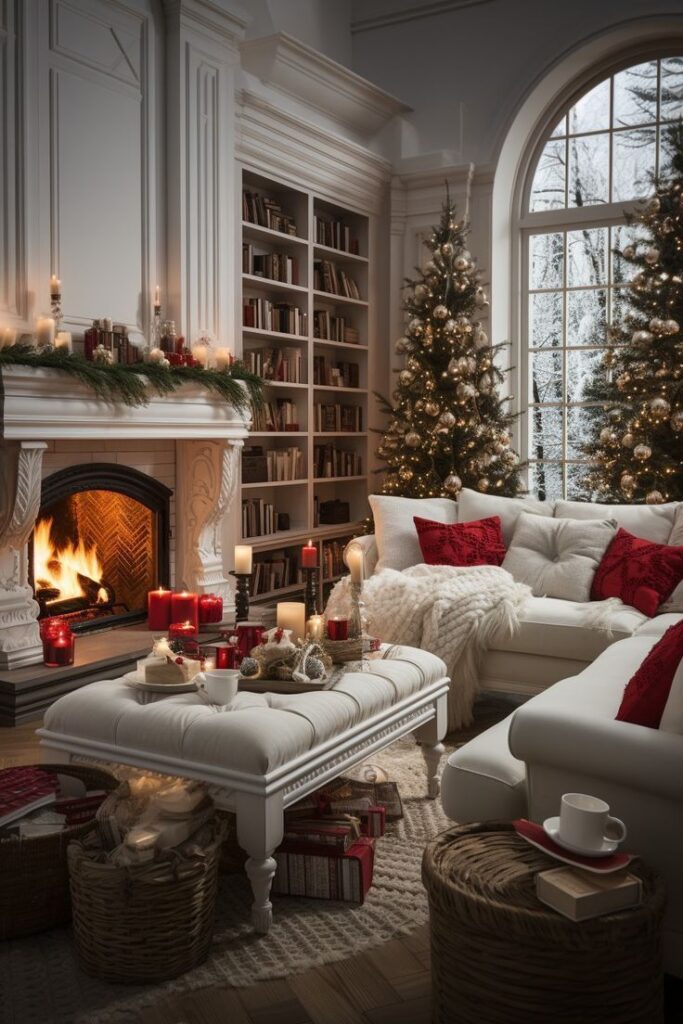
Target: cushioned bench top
column 255, row 734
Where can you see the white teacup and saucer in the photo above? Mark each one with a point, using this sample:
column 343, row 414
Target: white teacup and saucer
column 218, row 685
column 585, row 826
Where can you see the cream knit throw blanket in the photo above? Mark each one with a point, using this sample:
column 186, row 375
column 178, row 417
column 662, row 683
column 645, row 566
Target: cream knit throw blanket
column 456, row 613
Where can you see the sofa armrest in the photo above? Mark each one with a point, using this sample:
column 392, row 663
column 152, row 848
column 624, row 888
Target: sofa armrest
column 643, row 759
column 368, row 548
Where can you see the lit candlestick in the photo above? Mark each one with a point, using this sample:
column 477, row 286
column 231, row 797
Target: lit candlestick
column 309, row 556
column 182, row 631
column 200, row 354
column 157, row 297
column 292, row 615
column 55, row 287
column 158, row 609
column 244, row 559
column 185, row 608
column 45, row 331
column 354, row 560
column 210, row 608
column 59, row 649
column 226, row 653
column 223, row 359
column 63, row 341
column 314, row 627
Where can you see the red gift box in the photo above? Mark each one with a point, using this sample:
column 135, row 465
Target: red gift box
column 325, row 875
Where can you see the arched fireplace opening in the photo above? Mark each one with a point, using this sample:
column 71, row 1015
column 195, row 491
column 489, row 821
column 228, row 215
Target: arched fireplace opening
column 101, row 541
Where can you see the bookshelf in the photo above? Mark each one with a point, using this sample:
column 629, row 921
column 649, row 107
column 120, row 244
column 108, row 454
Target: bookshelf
column 305, row 322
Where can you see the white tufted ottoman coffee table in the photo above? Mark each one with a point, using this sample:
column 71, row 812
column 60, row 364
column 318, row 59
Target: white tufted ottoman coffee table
column 268, row 750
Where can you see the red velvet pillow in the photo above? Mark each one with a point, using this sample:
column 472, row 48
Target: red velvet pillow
column 477, row 543
column 647, row 691
column 641, row 573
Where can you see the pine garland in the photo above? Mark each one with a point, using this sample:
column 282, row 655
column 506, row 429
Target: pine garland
column 129, row 383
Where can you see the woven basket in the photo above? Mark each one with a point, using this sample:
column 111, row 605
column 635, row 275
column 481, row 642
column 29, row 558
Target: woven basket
column 34, row 877
column 341, row 651
column 501, row 956
column 146, row 923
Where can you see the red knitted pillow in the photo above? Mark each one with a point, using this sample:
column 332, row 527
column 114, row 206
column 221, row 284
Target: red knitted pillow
column 479, row 542
column 641, row 573
column 647, row 691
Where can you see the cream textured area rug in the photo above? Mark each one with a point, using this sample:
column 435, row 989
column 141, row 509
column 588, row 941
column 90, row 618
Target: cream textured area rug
column 41, row 982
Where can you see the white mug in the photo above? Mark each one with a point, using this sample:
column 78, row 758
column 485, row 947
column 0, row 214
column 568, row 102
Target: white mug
column 219, row 684
column 585, row 822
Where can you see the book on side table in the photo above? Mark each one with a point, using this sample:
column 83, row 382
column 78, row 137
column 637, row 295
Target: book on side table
column 579, row 895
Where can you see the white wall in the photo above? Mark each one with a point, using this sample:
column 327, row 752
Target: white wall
column 322, row 24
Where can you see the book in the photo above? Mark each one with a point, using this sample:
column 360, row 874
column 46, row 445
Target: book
column 579, row 895
column 325, row 874
column 25, row 789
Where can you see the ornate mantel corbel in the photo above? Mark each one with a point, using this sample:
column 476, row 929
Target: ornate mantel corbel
column 20, row 484
column 208, row 473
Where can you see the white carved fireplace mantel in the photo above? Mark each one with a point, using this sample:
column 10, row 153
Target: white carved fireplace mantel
column 39, row 406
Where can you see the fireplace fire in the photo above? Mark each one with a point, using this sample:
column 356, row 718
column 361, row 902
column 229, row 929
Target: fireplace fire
column 69, row 579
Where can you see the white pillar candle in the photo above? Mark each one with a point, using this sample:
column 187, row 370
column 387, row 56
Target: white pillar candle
column 223, row 358
column 292, row 615
column 201, row 353
column 45, row 331
column 244, row 557
column 8, row 337
column 55, row 286
column 354, row 560
column 157, row 296
column 63, row 341
column 314, row 627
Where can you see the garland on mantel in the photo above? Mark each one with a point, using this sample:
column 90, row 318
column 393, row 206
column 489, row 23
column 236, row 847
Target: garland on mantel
column 127, row 383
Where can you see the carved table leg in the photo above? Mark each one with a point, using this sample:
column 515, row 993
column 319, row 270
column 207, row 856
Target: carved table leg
column 259, row 832
column 429, row 736
column 432, row 756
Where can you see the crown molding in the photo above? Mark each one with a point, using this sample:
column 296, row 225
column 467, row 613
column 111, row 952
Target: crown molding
column 412, row 12
column 221, row 17
column 297, row 69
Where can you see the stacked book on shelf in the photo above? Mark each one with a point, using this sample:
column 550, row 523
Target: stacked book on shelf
column 327, row 277
column 276, row 464
column 282, row 364
column 336, row 418
column 329, row 327
column 275, row 417
column 275, row 266
column 335, row 374
column 273, row 571
column 274, row 316
column 259, row 517
column 334, row 234
column 332, row 560
column 262, row 210
column 329, row 461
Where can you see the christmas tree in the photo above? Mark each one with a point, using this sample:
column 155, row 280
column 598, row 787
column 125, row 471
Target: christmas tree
column 447, row 427
column 635, row 440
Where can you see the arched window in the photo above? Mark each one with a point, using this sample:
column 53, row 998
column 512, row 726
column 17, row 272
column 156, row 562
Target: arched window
column 589, row 172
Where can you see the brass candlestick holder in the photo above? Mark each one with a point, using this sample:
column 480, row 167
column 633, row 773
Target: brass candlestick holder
column 310, row 591
column 241, row 596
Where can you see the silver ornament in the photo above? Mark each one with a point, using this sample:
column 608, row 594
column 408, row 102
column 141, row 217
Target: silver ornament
column 450, row 326
column 413, row 439
column 416, row 326
column 481, row 339
column 660, row 408
column 642, row 452
column 628, row 440
column 314, row 668
column 628, row 251
column 447, row 249
column 676, row 421
column 249, row 667
column 654, row 498
column 461, row 263
column 607, row 436
column 403, row 345
column 642, row 337
column 406, row 377
column 485, row 384
column 651, row 256
column 440, row 312
column 452, row 483
column 421, row 292
column 447, row 418
column 464, row 391
column 656, row 325
column 480, row 297
column 671, row 327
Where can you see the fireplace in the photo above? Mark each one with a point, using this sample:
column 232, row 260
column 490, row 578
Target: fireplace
column 100, row 542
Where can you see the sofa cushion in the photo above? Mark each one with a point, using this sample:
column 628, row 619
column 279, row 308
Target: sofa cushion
column 675, row 602
column 395, row 531
column 647, row 691
column 652, row 522
column 473, row 505
column 558, row 557
column 659, row 625
column 639, row 572
column 672, row 717
column 569, row 629
column 477, row 543
column 482, row 781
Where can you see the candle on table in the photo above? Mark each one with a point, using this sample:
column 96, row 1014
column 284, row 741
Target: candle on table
column 223, row 359
column 314, row 627
column 226, row 654
column 338, row 629
column 182, row 631
column 292, row 615
column 157, row 296
column 210, row 608
column 158, row 609
column 55, row 286
column 354, row 560
column 200, row 354
column 209, row 664
column 59, row 650
column 244, row 557
column 309, row 556
column 45, row 331
column 185, row 608
column 63, row 341
column 8, row 336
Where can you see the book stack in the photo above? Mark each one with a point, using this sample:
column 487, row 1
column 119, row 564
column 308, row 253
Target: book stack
column 330, row 461
column 334, row 234
column 580, row 895
column 275, row 570
column 259, row 517
column 328, row 277
column 274, row 316
column 329, row 327
column 337, row 374
column 275, row 266
column 337, row 418
column 333, row 560
column 258, row 209
column 283, row 364
column 285, row 463
column 276, row 417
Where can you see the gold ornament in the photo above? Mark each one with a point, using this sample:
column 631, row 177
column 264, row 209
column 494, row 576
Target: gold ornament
column 671, row 327
column 450, row 326
column 421, row 292
column 656, row 325
column 676, row 421
column 627, row 482
column 447, row 249
column 432, row 408
column 413, row 364
column 464, row 391
column 642, row 452
column 641, row 338
column 628, row 440
column 440, row 312
column 481, row 339
column 483, row 483
column 403, row 345
column 461, row 263
column 447, row 418
column 607, row 436
column 452, row 483
column 651, row 256
column 406, row 474
column 406, row 377
column 413, row 439
column 480, row 297
column 659, row 408
column 419, row 405
column 415, row 326
column 654, row 498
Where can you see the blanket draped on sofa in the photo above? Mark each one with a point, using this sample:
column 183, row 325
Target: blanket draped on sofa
column 456, row 613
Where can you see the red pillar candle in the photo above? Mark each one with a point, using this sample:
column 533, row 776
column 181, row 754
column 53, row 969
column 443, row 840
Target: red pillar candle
column 59, row 650
column 227, row 655
column 185, row 608
column 182, row 631
column 338, row 629
column 210, row 608
column 309, row 556
column 158, row 609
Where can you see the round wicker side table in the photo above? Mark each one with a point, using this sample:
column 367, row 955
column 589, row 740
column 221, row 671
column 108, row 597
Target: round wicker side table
column 499, row 956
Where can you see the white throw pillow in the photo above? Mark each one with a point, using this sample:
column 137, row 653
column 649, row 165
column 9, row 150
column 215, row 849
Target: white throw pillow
column 397, row 541
column 672, row 716
column 474, row 505
column 651, row 522
column 558, row 557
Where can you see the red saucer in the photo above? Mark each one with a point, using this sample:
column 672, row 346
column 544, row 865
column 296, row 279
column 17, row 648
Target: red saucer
column 536, row 835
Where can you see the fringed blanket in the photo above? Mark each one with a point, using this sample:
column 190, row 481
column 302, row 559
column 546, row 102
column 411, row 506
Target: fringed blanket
column 456, row 613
